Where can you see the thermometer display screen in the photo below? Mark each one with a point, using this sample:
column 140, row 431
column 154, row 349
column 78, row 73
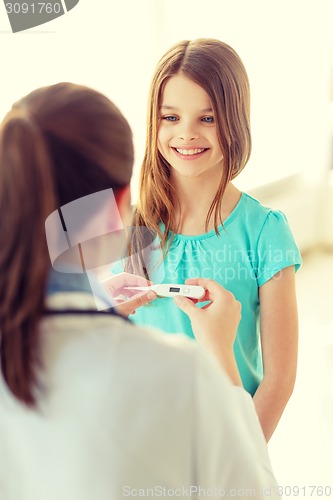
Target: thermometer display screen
column 174, row 289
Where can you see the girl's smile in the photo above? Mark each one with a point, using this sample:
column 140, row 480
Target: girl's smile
column 190, row 153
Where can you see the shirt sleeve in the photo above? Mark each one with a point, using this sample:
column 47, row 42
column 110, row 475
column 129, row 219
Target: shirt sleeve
column 232, row 455
column 276, row 248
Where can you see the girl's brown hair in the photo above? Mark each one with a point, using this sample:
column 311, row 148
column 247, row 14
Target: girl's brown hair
column 217, row 68
column 57, row 144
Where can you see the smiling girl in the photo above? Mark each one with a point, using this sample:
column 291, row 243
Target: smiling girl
column 198, row 141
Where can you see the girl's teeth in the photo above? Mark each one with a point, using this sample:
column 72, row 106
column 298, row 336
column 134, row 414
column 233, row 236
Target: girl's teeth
column 190, row 151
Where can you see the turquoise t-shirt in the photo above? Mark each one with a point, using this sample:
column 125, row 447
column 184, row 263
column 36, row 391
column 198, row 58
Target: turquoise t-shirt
column 255, row 243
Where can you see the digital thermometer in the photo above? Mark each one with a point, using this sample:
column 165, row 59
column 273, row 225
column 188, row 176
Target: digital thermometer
column 170, row 290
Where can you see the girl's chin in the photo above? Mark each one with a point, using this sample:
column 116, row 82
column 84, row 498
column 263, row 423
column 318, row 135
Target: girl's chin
column 188, row 173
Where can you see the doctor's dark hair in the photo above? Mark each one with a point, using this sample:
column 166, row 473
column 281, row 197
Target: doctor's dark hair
column 57, row 144
column 218, row 69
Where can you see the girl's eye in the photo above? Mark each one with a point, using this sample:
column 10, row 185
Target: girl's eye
column 170, row 118
column 208, row 119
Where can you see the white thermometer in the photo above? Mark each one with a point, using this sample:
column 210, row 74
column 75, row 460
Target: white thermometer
column 170, row 290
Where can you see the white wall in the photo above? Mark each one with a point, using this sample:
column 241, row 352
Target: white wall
column 302, row 202
column 327, row 221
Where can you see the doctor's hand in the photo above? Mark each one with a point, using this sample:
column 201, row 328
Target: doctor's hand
column 215, row 324
column 127, row 300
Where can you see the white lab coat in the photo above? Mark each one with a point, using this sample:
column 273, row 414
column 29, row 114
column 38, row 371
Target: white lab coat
column 128, row 412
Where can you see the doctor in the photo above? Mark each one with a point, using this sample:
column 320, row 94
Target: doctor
column 91, row 406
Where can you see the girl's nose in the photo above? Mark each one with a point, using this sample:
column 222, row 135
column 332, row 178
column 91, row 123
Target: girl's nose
column 188, row 133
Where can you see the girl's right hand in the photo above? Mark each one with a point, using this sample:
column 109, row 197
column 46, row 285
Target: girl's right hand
column 215, row 324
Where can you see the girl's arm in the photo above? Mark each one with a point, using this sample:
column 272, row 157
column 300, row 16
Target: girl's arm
column 279, row 341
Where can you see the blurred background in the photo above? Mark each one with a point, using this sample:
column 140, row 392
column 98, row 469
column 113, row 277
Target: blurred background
column 287, row 49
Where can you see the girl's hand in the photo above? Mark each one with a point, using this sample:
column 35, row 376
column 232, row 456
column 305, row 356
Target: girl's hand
column 215, row 324
column 128, row 300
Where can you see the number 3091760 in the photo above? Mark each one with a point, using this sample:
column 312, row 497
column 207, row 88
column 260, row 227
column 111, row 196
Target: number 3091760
column 33, row 8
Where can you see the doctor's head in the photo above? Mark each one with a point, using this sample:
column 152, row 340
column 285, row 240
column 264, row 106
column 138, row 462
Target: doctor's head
column 57, row 144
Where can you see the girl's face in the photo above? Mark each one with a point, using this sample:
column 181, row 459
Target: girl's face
column 187, row 135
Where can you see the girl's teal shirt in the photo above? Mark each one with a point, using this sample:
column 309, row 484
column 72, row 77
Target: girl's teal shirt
column 254, row 244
